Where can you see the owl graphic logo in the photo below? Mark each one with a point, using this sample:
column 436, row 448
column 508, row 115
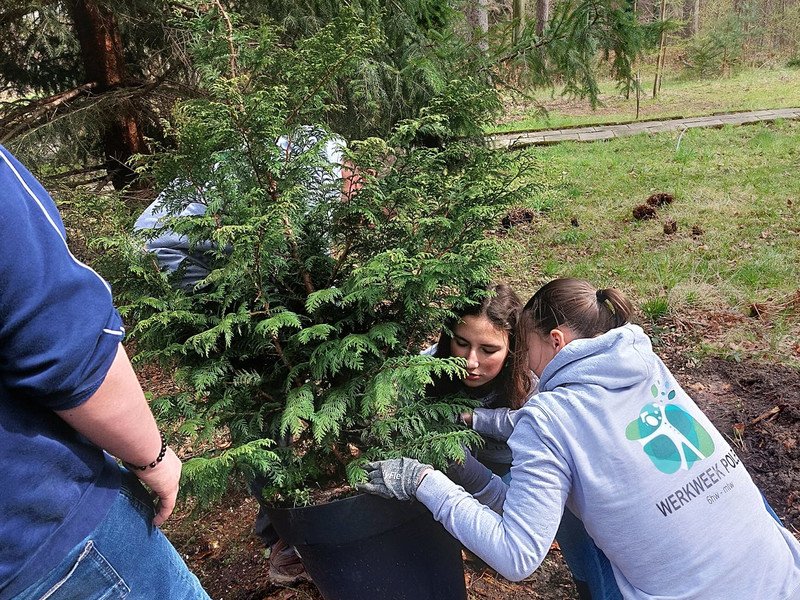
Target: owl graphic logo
column 669, row 435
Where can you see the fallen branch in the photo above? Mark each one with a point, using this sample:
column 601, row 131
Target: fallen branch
column 20, row 119
column 74, row 172
column 770, row 413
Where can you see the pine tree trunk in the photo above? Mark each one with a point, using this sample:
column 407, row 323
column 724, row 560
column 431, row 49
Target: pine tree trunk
column 542, row 15
column 104, row 64
column 661, row 50
column 691, row 14
column 476, row 13
column 518, row 15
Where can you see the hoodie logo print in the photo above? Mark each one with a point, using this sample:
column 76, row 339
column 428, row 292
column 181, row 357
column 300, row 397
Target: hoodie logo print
column 669, row 435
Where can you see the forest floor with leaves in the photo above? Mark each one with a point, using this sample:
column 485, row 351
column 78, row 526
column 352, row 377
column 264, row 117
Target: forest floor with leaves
column 755, row 405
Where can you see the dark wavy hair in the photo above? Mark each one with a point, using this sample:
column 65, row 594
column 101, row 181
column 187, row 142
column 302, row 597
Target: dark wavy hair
column 502, row 307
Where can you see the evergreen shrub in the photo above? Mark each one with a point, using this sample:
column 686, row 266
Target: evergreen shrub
column 717, row 51
column 298, row 356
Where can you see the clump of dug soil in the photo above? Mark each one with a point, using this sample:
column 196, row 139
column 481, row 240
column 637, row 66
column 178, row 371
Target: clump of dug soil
column 757, row 407
column 644, row 212
column 670, row 226
column 648, row 209
column 660, row 199
column 517, row 216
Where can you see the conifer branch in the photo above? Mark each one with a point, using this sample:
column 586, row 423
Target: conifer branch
column 322, row 82
column 340, row 261
column 28, row 116
column 74, row 172
column 290, row 237
column 304, row 274
column 231, row 46
column 342, row 385
column 279, row 348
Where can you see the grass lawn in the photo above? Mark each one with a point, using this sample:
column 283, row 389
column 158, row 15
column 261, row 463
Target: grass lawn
column 736, row 208
column 680, row 96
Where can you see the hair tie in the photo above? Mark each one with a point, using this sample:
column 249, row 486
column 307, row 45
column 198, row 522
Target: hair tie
column 603, row 298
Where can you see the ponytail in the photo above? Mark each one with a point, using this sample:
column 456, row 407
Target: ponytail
column 578, row 305
column 616, row 305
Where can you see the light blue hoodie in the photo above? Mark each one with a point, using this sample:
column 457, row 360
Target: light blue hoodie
column 613, row 436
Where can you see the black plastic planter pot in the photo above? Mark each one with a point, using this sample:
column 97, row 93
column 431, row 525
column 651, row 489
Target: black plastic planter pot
column 369, row 548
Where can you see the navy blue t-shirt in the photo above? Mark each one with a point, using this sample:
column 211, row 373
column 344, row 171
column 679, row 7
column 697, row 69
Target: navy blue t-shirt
column 59, row 333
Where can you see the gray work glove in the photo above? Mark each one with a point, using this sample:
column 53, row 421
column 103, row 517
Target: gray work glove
column 471, row 474
column 394, row 478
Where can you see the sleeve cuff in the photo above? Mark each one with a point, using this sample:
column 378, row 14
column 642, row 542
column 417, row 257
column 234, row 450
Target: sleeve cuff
column 434, row 489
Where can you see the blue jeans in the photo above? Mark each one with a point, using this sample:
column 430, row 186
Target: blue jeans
column 124, row 557
column 585, row 560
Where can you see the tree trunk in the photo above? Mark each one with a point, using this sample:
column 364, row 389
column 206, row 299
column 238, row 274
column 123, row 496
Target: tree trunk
column 476, row 13
column 691, row 14
column 518, row 15
column 542, row 16
column 661, row 50
column 634, row 7
column 104, row 65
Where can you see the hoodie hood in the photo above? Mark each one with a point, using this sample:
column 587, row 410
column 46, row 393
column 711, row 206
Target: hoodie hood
column 621, row 358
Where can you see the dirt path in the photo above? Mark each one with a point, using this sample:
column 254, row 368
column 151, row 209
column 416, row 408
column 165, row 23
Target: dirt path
column 607, row 132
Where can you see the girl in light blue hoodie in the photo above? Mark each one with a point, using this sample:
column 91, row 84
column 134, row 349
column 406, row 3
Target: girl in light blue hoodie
column 484, row 335
column 613, row 437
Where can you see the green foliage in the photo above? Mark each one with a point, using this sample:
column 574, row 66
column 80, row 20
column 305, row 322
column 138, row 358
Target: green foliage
column 580, row 35
column 88, row 218
column 718, row 49
column 51, row 111
column 655, row 308
column 308, row 328
column 418, row 47
column 32, row 30
column 209, row 478
column 768, row 32
column 416, row 54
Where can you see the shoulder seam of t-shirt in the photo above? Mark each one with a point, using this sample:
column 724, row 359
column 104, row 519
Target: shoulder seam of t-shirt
column 41, row 207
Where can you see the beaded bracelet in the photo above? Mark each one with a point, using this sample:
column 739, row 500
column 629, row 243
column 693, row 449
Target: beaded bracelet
column 158, row 459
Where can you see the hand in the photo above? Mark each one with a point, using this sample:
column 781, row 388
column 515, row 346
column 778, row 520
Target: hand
column 466, row 419
column 396, row 478
column 163, row 480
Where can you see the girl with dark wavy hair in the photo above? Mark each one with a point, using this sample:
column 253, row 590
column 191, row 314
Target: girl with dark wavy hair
column 484, row 336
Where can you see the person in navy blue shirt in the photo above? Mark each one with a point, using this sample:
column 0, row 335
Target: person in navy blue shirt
column 74, row 523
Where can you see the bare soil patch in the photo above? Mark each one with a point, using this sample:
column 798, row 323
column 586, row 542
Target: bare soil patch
column 756, row 405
